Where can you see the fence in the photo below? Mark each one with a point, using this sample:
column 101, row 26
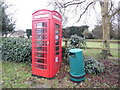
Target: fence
column 66, row 41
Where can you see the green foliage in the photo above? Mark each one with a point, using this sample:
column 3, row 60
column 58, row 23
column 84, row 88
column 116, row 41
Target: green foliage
column 76, row 29
column 75, row 42
column 8, row 25
column 16, row 49
column 92, row 66
column 67, row 32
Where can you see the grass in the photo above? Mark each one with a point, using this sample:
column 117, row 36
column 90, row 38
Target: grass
column 99, row 45
column 95, row 52
column 18, row 75
column 14, row 75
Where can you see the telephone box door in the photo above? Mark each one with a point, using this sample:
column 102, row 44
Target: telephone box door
column 40, row 48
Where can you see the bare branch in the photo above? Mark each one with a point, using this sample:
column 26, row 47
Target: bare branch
column 113, row 14
column 111, row 6
column 50, row 3
column 69, row 4
column 84, row 11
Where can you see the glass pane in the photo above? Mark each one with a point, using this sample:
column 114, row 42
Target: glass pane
column 40, row 37
column 57, row 37
column 39, row 60
column 57, row 31
column 40, row 55
column 56, row 48
column 39, row 66
column 40, row 31
column 41, row 24
column 57, row 26
column 45, row 24
column 57, row 53
column 42, row 49
column 56, row 42
column 41, row 43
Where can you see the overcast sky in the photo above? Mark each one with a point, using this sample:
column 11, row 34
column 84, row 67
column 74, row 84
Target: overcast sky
column 22, row 12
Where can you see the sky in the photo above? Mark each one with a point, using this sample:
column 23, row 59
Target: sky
column 21, row 11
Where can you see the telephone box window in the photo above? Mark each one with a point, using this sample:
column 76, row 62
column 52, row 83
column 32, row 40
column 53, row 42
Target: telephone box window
column 40, row 54
column 57, row 31
column 56, row 48
column 42, row 49
column 57, row 53
column 57, row 37
column 39, row 60
column 57, row 26
column 40, row 31
column 41, row 43
column 40, row 37
column 39, row 66
column 43, row 55
column 39, row 48
column 56, row 42
column 41, row 24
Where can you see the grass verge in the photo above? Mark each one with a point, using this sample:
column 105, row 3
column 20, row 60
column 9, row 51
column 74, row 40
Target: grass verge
column 14, row 75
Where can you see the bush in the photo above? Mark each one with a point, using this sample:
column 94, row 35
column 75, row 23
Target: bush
column 75, row 42
column 16, row 49
column 92, row 66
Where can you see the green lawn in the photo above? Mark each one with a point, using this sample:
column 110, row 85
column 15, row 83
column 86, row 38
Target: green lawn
column 95, row 52
column 99, row 45
column 14, row 75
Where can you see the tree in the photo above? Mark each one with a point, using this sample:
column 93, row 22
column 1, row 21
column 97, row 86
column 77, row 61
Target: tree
column 87, row 34
column 8, row 25
column 108, row 11
column 67, row 32
column 29, row 32
column 106, row 17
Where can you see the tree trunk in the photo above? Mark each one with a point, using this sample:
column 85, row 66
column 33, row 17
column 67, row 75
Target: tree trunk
column 105, row 26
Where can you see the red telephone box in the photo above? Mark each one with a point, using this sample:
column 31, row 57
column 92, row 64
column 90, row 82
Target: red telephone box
column 46, row 43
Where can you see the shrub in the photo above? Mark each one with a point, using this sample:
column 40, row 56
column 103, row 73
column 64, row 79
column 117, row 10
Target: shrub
column 75, row 42
column 92, row 66
column 16, row 49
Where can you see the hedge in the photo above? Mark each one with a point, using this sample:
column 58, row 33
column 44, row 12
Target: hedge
column 16, row 49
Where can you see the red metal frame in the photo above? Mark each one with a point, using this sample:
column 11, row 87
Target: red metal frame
column 46, row 43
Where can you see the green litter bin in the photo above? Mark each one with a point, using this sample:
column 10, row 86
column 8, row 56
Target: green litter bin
column 77, row 70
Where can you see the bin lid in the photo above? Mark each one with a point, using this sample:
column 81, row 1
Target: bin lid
column 75, row 50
